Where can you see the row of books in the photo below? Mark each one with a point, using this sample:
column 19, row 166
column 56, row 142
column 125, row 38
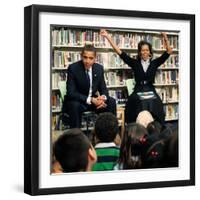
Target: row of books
column 56, row 102
column 71, row 37
column 171, row 111
column 172, row 61
column 131, row 40
column 61, row 59
column 114, row 78
column 56, row 122
column 110, row 60
column 57, row 77
column 74, row 37
column 168, row 94
column 166, row 77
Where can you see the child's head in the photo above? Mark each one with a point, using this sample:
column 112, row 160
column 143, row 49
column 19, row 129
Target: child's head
column 154, row 128
column 171, row 150
column 154, row 155
column 162, row 149
column 133, row 146
column 145, row 50
column 74, row 152
column 144, row 118
column 106, row 127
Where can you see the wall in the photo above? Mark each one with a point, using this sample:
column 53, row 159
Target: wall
column 11, row 101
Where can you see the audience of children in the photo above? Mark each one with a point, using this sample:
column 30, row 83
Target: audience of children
column 145, row 144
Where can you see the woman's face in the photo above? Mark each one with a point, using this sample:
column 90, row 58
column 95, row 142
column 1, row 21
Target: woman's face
column 145, row 52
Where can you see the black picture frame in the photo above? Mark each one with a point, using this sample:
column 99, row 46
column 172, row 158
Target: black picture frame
column 31, row 98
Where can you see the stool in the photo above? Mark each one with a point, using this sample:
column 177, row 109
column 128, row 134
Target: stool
column 90, row 118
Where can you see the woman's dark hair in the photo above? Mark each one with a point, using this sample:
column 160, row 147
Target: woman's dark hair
column 163, row 149
column 154, row 128
column 154, row 155
column 133, row 145
column 106, row 127
column 140, row 44
column 71, row 150
column 171, row 150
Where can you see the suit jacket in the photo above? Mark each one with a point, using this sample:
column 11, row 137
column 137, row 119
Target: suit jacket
column 140, row 75
column 77, row 85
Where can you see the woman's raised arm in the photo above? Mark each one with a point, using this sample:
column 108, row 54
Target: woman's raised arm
column 166, row 43
column 105, row 34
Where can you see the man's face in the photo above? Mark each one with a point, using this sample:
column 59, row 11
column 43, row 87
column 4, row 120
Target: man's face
column 88, row 58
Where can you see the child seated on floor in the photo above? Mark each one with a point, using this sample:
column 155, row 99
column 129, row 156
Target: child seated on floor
column 73, row 152
column 106, row 129
column 133, row 147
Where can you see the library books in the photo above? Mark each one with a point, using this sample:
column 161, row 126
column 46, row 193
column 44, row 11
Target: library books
column 113, row 78
column 168, row 94
column 171, row 111
column 62, row 58
column 56, row 102
column 80, row 37
column 166, row 77
column 57, row 77
column 171, row 62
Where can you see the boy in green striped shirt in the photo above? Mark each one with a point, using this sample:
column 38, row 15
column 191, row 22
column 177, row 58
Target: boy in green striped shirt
column 106, row 129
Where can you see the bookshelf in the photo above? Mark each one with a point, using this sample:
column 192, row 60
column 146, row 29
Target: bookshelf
column 66, row 45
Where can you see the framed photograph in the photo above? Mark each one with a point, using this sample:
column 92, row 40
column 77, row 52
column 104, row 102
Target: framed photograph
column 54, row 38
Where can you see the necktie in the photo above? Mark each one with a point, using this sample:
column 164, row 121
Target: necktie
column 88, row 77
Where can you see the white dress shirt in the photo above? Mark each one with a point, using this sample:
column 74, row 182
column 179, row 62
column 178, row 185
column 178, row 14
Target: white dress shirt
column 145, row 64
column 89, row 98
column 88, row 101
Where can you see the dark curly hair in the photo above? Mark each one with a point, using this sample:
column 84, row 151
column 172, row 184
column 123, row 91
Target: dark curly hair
column 88, row 47
column 71, row 150
column 106, row 127
column 133, row 145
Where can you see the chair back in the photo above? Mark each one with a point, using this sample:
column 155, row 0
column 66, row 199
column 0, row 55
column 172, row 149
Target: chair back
column 62, row 88
column 130, row 84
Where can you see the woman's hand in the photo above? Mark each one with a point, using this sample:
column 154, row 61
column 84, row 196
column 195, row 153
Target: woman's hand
column 164, row 35
column 104, row 33
column 166, row 43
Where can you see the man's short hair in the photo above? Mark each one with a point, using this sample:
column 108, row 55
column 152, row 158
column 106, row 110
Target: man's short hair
column 71, row 150
column 88, row 47
column 106, row 127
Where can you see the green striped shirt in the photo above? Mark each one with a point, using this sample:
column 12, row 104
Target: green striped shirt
column 107, row 156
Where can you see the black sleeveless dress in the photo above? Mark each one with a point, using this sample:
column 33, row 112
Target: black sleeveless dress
column 144, row 83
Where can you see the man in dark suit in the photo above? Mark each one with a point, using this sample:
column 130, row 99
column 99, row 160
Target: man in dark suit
column 86, row 88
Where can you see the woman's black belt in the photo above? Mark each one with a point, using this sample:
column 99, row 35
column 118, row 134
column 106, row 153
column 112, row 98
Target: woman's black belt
column 143, row 83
